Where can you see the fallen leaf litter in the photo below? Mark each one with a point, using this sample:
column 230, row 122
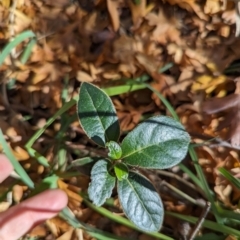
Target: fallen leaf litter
column 104, row 42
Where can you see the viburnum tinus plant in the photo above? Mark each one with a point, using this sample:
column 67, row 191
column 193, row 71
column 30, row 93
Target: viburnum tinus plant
column 160, row 142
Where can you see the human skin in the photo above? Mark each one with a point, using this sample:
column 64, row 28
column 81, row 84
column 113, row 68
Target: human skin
column 18, row 220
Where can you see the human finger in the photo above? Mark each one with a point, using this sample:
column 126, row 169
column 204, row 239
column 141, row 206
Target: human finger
column 5, row 167
column 19, row 219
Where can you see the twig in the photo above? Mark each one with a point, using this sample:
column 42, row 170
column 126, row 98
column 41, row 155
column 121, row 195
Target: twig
column 180, row 179
column 237, row 7
column 182, row 194
column 219, row 141
column 200, row 221
column 99, row 152
column 11, row 27
column 4, row 94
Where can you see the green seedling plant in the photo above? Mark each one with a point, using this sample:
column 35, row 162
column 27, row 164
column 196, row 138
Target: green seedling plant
column 160, row 142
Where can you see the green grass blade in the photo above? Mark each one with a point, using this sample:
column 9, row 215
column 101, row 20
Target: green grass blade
column 166, row 67
column 63, row 109
column 207, row 224
column 64, row 94
column 206, row 189
column 101, row 235
column 228, row 214
column 80, row 162
column 47, row 183
column 113, row 91
column 65, row 125
column 18, row 39
column 27, row 51
column 165, row 101
column 62, row 158
column 41, row 159
column 67, row 215
column 191, row 175
column 230, row 177
column 11, row 83
column 211, row 236
column 16, row 165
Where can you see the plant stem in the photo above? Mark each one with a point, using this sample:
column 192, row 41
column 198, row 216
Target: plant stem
column 180, row 179
column 200, row 221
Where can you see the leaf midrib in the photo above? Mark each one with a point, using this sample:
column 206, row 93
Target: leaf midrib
column 100, row 120
column 140, row 200
column 146, row 148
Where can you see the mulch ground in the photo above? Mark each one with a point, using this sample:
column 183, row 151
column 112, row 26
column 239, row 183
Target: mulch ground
column 105, row 41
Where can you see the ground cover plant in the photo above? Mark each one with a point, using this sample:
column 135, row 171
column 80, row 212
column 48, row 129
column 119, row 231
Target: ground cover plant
column 158, row 143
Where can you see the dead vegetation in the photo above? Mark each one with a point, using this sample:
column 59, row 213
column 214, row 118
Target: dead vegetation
column 105, row 41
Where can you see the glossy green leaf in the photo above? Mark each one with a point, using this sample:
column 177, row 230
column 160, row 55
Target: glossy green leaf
column 16, row 165
column 115, row 151
column 121, row 171
column 160, row 142
column 102, row 183
column 141, row 202
column 50, row 182
column 11, row 45
column 97, row 115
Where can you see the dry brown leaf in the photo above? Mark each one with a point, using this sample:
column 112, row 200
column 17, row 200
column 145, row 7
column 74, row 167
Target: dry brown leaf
column 20, row 153
column 212, row 7
column 216, row 105
column 4, row 206
column 190, row 5
column 114, row 13
column 224, row 31
column 208, row 83
column 57, row 3
column 232, row 104
column 17, row 193
column 38, row 231
column 138, row 11
column 231, row 237
column 229, row 16
column 223, row 193
column 165, row 29
column 67, row 235
column 148, row 63
column 71, row 191
column 84, row 77
column 106, row 40
column 176, row 51
column 115, row 76
column 6, row 3
column 20, row 76
column 160, row 85
column 129, row 114
column 57, row 226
